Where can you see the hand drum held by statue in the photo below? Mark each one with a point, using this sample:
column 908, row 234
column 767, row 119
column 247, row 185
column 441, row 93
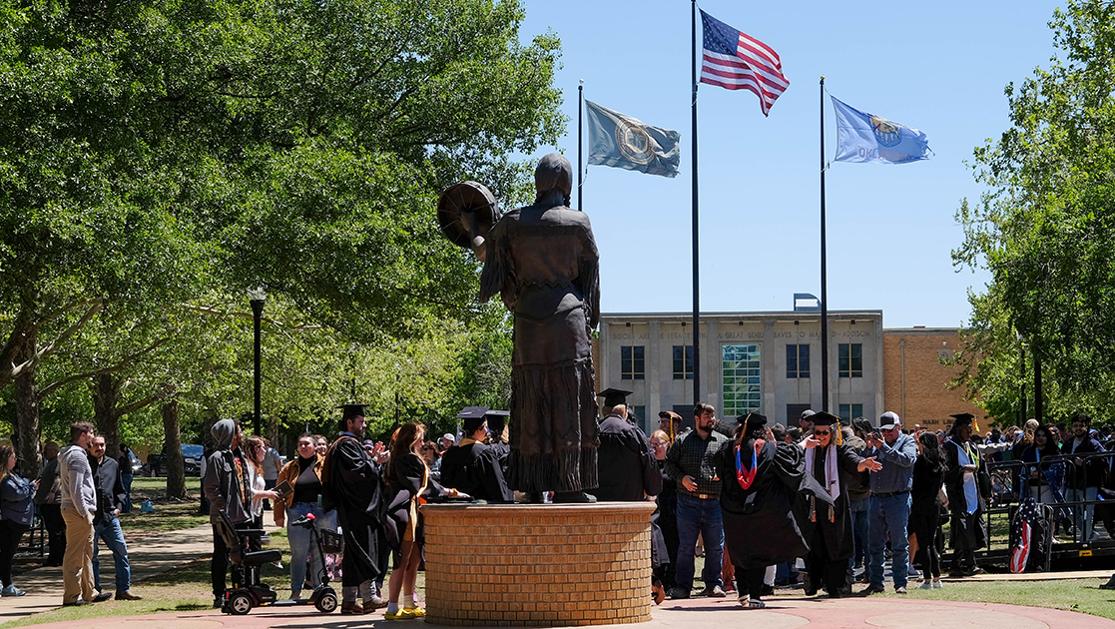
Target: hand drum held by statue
column 466, row 212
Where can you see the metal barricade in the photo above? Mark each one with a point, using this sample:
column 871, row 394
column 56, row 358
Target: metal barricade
column 1080, row 490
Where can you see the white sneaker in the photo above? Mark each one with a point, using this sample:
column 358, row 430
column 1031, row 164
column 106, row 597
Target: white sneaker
column 937, row 584
column 926, row 585
column 12, row 590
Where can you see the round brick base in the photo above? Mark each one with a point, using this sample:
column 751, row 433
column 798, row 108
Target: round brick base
column 538, row 565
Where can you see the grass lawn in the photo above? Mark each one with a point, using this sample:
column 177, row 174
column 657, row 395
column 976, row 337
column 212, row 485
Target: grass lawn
column 1080, row 595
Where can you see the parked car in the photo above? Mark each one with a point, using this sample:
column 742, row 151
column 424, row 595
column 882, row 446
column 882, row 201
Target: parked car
column 134, row 462
column 192, row 454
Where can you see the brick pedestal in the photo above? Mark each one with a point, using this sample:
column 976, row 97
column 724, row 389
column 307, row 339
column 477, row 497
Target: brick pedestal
column 538, row 565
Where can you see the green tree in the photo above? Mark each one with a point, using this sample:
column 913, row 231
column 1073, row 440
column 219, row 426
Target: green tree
column 1044, row 227
column 155, row 152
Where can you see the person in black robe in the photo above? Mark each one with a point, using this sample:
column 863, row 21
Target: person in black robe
column 829, row 462
column 759, row 499
column 628, row 471
column 497, row 437
column 968, row 486
column 351, row 484
column 472, row 466
column 627, row 468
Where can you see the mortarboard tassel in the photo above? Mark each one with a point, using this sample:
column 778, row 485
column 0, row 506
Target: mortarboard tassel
column 839, row 434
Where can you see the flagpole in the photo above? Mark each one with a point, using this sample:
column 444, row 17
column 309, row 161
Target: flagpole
column 824, row 271
column 696, row 250
column 580, row 146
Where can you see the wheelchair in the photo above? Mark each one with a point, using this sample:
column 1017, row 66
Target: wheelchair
column 246, row 560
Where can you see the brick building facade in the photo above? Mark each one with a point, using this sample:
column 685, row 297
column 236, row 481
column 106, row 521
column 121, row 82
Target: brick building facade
column 915, row 382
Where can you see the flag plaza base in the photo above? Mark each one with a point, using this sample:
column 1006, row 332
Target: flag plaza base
column 538, row 565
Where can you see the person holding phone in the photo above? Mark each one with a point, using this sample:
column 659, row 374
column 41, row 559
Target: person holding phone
column 299, row 489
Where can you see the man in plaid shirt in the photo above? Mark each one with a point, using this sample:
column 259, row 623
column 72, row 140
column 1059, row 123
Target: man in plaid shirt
column 689, row 463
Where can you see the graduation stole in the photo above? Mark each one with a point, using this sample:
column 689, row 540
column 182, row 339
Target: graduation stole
column 746, row 477
column 832, row 480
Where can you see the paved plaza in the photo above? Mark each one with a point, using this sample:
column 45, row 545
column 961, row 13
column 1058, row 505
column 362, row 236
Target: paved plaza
column 157, row 554
column 782, row 613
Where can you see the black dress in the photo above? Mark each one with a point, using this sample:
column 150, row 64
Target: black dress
column 925, row 512
column 352, row 485
column 474, row 469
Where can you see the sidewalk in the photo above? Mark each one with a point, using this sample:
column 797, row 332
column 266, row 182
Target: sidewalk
column 782, row 612
column 149, row 554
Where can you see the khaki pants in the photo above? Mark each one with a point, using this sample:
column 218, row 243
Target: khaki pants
column 77, row 563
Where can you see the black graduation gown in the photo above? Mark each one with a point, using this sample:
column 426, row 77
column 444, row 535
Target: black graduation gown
column 836, row 534
column 353, row 486
column 761, row 523
column 965, row 531
column 474, row 469
column 628, row 471
column 503, row 455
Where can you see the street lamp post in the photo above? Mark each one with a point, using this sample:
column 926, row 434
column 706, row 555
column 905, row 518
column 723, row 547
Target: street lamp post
column 256, row 297
column 1022, row 387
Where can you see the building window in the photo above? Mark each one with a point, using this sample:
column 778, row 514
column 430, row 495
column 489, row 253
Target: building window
column 848, row 412
column 631, row 362
column 793, row 413
column 640, row 413
column 851, row 361
column 797, row 361
column 742, row 384
column 683, row 362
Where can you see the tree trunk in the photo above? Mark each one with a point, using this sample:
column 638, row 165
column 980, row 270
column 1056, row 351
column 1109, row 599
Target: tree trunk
column 175, row 466
column 106, row 393
column 27, row 408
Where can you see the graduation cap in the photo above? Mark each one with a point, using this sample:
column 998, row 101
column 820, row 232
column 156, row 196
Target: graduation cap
column 497, row 420
column 674, row 419
column 960, row 420
column 351, row 410
column 751, row 422
column 824, row 418
column 613, row 397
column 472, row 417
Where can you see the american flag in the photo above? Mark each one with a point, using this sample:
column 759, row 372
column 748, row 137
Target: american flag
column 737, row 61
column 1022, row 529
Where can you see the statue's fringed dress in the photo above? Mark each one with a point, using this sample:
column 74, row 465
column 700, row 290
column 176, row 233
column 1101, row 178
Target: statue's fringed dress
column 544, row 264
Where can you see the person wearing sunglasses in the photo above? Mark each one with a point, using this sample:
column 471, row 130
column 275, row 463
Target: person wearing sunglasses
column 830, row 462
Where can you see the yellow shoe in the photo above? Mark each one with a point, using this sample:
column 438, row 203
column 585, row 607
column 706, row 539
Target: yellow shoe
column 419, row 612
column 402, row 614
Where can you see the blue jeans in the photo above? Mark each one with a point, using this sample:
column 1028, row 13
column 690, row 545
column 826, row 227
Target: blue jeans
column 888, row 517
column 1083, row 514
column 109, row 530
column 300, row 540
column 704, row 517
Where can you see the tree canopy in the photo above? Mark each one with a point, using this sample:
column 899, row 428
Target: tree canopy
column 1045, row 226
column 159, row 157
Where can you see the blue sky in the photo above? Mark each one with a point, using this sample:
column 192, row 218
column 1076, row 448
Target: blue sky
column 940, row 67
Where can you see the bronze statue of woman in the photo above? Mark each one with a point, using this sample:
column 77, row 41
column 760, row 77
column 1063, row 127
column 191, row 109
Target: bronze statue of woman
column 542, row 260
